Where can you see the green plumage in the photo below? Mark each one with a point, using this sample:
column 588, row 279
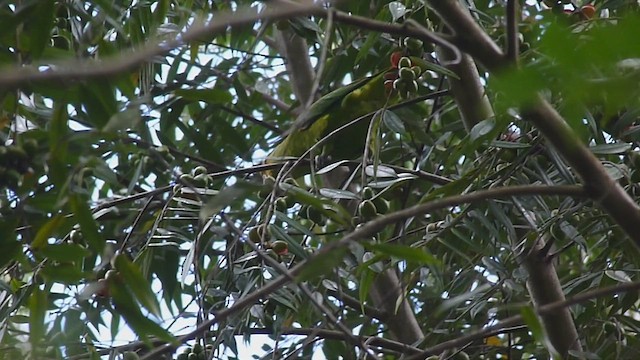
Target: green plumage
column 329, row 113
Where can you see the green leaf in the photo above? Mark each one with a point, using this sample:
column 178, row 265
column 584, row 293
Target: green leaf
column 397, row 10
column 140, row 287
column 482, row 129
column 532, row 321
column 321, row 263
column 610, row 149
column 47, row 231
column 226, row 196
column 509, row 145
column 65, row 252
column 329, row 208
column 366, row 280
column 63, row 273
column 41, row 24
column 37, row 310
column 393, row 122
column 338, row 194
column 125, row 304
column 404, row 252
column 122, row 120
column 82, row 213
column 210, row 96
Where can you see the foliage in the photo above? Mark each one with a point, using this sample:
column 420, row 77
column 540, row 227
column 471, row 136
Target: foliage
column 133, row 201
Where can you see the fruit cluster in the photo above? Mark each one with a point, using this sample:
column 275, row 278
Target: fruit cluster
column 198, row 177
column 261, row 235
column 154, row 159
column 585, row 12
column 197, row 352
column 15, row 162
column 371, row 205
column 404, row 79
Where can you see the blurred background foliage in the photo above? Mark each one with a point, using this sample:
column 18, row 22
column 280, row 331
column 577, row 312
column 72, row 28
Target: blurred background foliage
column 129, row 201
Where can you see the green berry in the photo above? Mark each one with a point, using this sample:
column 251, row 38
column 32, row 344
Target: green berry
column 405, row 62
column 256, row 234
column 281, row 204
column 197, row 348
column 130, row 355
column 367, row 209
column 417, row 71
column 186, row 178
column 381, row 205
column 414, row 45
column 406, row 74
column 76, row 236
column 315, row 215
column 202, row 180
column 412, row 86
column 367, row 193
column 199, row 170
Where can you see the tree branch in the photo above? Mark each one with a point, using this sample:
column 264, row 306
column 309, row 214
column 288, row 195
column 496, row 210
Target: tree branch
column 365, row 231
column 470, row 37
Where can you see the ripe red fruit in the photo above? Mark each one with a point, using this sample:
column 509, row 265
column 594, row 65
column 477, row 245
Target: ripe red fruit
column 588, row 11
column 395, row 57
column 280, row 247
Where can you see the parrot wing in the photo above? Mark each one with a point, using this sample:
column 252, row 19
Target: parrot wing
column 326, row 103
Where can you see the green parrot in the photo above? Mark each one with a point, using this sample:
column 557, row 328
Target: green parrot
column 329, row 113
column 346, row 104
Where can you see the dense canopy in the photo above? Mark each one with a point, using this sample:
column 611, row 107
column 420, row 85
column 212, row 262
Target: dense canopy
column 465, row 183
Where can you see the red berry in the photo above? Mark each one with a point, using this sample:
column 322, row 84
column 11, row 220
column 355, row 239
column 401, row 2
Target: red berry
column 395, row 57
column 588, row 11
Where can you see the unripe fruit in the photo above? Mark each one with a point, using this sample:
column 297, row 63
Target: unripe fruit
column 404, row 62
column 281, row 204
column 192, row 356
column 183, row 356
column 367, row 193
column 255, row 234
column 199, row 170
column 202, row 180
column 75, row 236
column 414, row 45
column 315, row 215
column 303, row 212
column 406, row 74
column 412, row 86
column 197, row 348
column 417, row 71
column 111, row 274
column 399, row 85
column 130, row 355
column 186, row 178
column 367, row 209
column 460, row 356
column 381, row 205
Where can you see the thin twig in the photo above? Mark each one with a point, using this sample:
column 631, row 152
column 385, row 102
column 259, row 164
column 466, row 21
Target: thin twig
column 366, row 230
